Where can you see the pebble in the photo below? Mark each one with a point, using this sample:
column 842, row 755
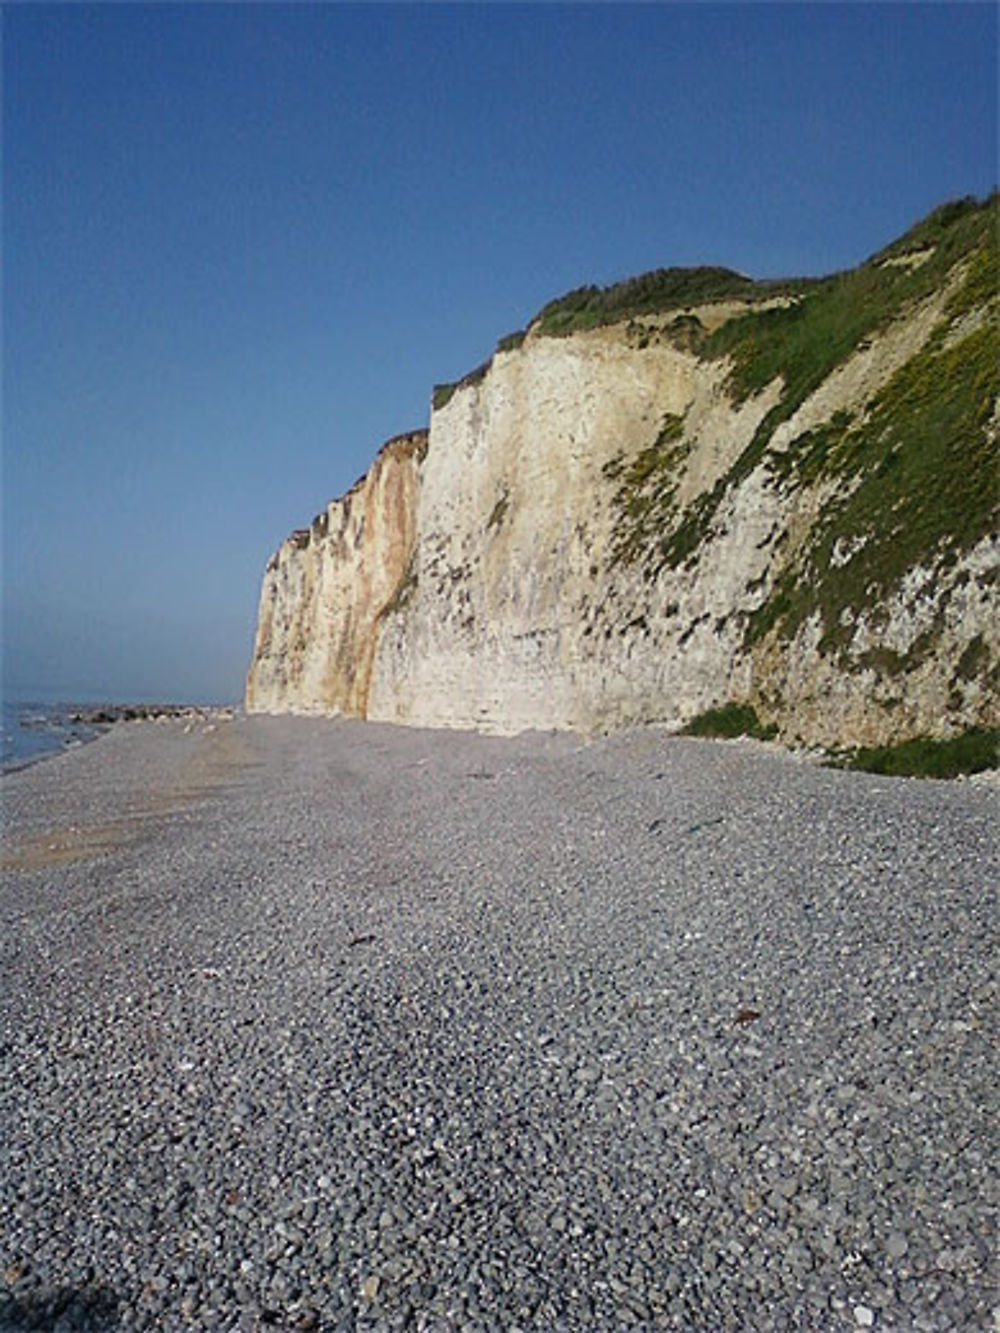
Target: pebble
column 450, row 1060
column 370, row 1287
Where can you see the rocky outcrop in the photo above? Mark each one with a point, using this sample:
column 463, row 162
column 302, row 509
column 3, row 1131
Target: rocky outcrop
column 649, row 506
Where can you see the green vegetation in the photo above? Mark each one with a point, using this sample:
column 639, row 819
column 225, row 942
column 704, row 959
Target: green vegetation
column 811, row 453
column 982, row 281
column 972, row 752
column 443, row 393
column 730, row 720
column 935, row 227
column 975, row 660
column 920, row 462
column 652, row 293
column 803, row 342
column 925, row 464
column 647, row 488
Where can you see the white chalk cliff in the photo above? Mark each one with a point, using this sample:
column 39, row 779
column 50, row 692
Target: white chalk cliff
column 649, row 507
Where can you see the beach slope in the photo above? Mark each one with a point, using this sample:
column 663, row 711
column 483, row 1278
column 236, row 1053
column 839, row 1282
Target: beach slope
column 313, row 1024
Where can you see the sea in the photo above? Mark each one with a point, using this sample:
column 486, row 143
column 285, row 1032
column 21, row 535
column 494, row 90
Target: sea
column 33, row 731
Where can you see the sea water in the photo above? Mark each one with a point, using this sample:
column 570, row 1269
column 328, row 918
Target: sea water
column 32, row 731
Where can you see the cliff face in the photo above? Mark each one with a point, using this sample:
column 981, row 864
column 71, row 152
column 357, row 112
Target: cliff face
column 327, row 587
column 653, row 505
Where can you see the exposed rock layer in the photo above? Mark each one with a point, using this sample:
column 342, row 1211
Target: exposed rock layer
column 622, row 525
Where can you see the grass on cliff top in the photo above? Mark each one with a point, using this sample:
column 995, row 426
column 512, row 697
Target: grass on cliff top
column 975, row 751
column 802, row 343
column 921, row 460
column 443, row 393
column 652, row 293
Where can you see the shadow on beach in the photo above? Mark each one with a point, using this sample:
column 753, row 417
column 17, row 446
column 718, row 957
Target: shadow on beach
column 92, row 1309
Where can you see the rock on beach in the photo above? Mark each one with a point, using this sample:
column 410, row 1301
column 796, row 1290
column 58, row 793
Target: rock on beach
column 313, row 1024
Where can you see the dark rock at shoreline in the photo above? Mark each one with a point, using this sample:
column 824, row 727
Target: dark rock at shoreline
column 106, row 714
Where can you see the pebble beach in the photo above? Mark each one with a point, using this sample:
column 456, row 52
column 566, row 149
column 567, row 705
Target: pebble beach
column 309, row 1024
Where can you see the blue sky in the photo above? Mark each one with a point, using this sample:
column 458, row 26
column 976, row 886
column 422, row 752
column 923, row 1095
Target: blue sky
column 241, row 243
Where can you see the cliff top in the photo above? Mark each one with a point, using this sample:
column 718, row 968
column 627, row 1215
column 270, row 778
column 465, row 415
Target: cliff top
column 906, row 270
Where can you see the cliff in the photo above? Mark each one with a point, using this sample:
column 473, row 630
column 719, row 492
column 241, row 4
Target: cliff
column 328, row 586
column 680, row 492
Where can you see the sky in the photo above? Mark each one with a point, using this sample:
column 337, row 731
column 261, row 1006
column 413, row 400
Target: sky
column 242, row 242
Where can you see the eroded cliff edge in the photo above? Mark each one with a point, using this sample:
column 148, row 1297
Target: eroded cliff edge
column 328, row 586
column 684, row 491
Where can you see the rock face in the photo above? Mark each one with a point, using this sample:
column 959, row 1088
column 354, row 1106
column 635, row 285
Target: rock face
column 328, row 587
column 686, row 491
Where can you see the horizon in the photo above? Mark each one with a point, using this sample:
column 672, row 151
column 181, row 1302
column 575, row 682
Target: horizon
column 242, row 245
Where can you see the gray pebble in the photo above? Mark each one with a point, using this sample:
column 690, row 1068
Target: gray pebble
column 447, row 1038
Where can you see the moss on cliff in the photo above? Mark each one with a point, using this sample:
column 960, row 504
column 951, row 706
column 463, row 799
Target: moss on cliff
column 647, row 489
